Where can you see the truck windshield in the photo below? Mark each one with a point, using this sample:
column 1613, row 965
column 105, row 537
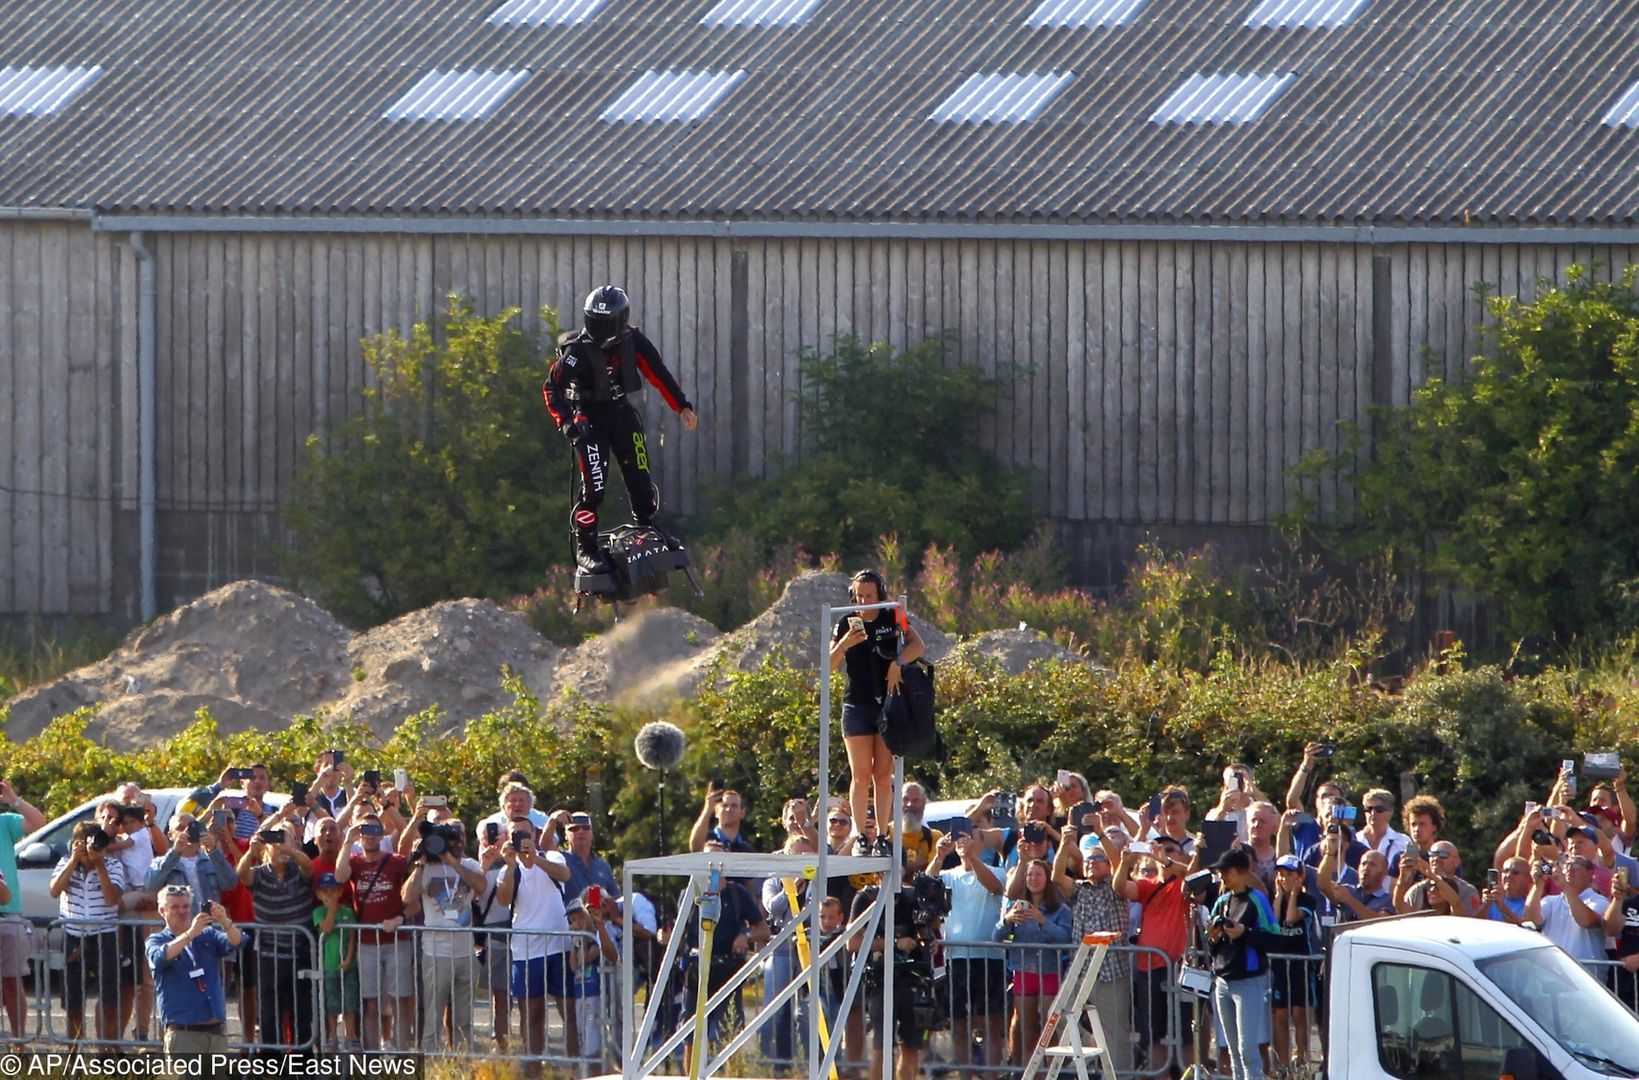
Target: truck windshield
column 1572, row 1006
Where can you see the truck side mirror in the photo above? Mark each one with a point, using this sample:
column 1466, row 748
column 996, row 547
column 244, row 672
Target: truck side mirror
column 1519, row 1063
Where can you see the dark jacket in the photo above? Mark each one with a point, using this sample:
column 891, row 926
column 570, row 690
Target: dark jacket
column 586, row 376
column 1247, row 957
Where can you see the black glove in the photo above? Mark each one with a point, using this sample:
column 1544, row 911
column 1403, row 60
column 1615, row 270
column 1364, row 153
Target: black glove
column 579, row 429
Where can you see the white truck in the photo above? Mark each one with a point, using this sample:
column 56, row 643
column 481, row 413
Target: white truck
column 1443, row 998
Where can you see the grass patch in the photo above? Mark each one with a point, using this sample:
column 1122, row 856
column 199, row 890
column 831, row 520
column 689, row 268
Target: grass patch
column 30, row 655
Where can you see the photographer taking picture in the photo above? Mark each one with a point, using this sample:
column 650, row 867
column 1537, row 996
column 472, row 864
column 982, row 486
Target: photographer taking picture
column 440, row 888
column 919, row 910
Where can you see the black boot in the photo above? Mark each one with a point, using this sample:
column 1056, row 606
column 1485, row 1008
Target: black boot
column 588, row 556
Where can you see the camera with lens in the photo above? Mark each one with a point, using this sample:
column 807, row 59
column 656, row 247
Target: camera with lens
column 1219, row 922
column 99, row 839
column 436, row 839
column 929, row 903
column 1198, row 884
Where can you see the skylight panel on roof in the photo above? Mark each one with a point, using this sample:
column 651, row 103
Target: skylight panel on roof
column 672, row 95
column 1304, row 14
column 1083, row 13
column 39, row 91
column 760, row 12
column 1221, row 99
column 1000, row 98
column 456, row 95
column 544, row 12
column 1625, row 113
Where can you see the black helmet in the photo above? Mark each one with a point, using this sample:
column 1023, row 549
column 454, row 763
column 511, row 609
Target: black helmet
column 606, row 313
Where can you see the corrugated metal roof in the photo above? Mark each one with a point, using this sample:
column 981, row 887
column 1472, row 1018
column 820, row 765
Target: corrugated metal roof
column 1305, row 14
column 1625, row 113
column 1416, row 111
column 672, row 95
column 1000, row 98
column 1083, row 12
column 544, row 12
column 455, row 95
column 40, row 91
column 760, row 13
column 1221, row 99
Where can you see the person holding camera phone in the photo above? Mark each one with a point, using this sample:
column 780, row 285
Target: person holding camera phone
column 443, row 880
column 195, row 859
column 280, row 879
column 1575, row 919
column 530, row 884
column 1033, row 913
column 1506, row 891
column 1163, row 927
column 868, row 645
column 1621, row 923
column 186, row 956
column 386, row 957
column 721, row 820
column 493, row 951
column 331, row 774
column 1095, row 907
column 87, row 886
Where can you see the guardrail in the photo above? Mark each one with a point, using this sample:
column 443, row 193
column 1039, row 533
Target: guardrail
column 449, row 991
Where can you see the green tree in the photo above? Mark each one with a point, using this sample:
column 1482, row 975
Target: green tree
column 449, row 482
column 1520, row 481
column 889, row 446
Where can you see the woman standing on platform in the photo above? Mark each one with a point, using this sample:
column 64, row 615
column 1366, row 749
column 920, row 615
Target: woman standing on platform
column 874, row 646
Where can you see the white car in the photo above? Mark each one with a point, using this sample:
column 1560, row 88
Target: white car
column 39, row 852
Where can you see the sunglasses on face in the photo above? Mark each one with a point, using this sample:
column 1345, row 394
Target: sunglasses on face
column 841, row 821
column 1377, row 809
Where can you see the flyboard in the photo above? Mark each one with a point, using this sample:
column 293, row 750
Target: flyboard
column 640, row 561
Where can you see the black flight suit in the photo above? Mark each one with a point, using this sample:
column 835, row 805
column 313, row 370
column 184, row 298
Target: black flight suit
column 588, row 392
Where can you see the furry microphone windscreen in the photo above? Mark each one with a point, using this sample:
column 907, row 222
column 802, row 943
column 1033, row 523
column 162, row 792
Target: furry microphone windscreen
column 659, row 745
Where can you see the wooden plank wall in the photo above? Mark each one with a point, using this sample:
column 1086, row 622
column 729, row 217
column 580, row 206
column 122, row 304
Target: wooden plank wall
column 66, row 350
column 1164, row 384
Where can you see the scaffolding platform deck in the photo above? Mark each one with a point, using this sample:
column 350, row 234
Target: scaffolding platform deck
column 757, row 864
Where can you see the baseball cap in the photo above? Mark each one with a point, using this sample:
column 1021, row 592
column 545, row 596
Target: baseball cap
column 1090, row 847
column 1233, row 859
column 577, row 904
column 327, row 880
column 580, row 821
column 1289, row 862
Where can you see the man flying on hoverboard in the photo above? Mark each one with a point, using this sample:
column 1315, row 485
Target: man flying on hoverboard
column 588, row 391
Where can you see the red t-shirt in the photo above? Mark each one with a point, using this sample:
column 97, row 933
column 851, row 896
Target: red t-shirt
column 1166, row 920
column 376, row 893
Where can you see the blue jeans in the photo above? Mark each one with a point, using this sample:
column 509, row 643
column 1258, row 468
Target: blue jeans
column 777, row 1039
column 1242, row 1005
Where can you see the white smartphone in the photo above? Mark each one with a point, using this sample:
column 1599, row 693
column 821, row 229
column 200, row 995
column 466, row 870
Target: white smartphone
column 401, row 779
column 1139, row 847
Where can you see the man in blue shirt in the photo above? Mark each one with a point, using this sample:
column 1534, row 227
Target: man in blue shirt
column 187, row 960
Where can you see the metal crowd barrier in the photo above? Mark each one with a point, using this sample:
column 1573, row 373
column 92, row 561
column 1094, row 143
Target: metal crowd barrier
column 458, row 1002
column 103, row 962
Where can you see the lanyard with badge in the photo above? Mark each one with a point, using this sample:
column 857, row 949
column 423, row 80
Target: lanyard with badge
column 195, row 971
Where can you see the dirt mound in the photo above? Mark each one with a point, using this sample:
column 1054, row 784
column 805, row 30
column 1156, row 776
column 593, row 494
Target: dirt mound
column 255, row 654
column 653, row 653
column 451, row 654
column 1017, row 649
column 790, row 624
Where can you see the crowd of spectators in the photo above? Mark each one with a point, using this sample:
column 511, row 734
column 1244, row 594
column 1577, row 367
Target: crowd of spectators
column 408, row 918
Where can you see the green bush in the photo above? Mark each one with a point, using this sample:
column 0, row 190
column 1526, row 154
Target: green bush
column 1520, row 481
column 1481, row 742
column 888, row 448
column 448, row 483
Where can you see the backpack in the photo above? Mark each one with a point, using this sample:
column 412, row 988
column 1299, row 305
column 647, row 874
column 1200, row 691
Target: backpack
column 906, row 721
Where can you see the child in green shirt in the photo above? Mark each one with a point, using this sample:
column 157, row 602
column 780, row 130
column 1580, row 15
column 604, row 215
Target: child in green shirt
column 338, row 953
